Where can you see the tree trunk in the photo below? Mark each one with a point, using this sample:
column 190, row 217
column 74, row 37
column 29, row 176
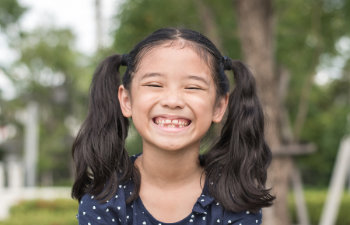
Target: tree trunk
column 256, row 30
column 208, row 21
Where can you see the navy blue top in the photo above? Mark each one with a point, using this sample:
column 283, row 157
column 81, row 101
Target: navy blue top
column 115, row 211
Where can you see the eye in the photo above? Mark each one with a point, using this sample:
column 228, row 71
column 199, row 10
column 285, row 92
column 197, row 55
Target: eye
column 194, row 88
column 153, row 85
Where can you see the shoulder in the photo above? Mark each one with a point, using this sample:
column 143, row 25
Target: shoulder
column 209, row 210
column 220, row 215
column 93, row 211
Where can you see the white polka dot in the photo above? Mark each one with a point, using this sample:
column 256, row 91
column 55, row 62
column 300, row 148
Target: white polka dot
column 120, row 186
column 107, row 210
column 159, row 224
column 191, row 220
column 240, row 224
column 98, row 217
column 144, row 222
column 84, row 213
column 247, row 212
column 124, row 187
column 217, row 203
column 203, row 218
column 116, row 196
column 202, row 200
column 113, row 220
column 192, row 216
column 127, row 217
column 118, row 207
column 205, row 213
column 81, row 202
column 92, row 197
column 256, row 221
column 218, row 220
column 93, row 207
column 229, row 221
column 89, row 223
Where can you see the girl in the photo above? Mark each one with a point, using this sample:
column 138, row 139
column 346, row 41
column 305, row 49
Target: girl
column 173, row 89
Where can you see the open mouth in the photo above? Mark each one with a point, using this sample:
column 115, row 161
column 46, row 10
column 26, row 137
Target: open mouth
column 171, row 123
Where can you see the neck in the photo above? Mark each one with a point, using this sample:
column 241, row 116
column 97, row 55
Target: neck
column 169, row 168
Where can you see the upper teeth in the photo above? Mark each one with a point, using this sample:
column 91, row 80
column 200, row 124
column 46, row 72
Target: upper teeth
column 171, row 122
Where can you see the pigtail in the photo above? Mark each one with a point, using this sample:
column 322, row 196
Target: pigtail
column 236, row 166
column 101, row 161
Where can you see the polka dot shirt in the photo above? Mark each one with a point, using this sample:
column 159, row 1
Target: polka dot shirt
column 115, row 211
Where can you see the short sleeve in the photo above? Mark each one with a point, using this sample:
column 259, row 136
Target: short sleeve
column 243, row 218
column 92, row 213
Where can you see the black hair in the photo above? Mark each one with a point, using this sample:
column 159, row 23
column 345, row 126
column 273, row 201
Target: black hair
column 236, row 164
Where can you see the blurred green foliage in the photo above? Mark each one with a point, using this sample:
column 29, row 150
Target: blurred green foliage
column 315, row 199
column 10, row 12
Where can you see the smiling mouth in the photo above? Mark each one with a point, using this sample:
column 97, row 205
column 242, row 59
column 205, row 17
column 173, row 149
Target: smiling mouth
column 171, row 123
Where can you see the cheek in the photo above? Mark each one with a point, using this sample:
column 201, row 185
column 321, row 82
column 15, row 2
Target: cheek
column 204, row 102
column 204, row 110
column 142, row 103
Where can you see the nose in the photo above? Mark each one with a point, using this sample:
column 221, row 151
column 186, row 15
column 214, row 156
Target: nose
column 172, row 99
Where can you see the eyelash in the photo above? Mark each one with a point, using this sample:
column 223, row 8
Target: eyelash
column 153, row 85
column 194, row 88
column 159, row 86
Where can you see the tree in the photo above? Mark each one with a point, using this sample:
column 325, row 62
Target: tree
column 257, row 34
column 53, row 74
column 10, row 12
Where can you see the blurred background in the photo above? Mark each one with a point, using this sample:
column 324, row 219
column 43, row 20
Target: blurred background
column 298, row 50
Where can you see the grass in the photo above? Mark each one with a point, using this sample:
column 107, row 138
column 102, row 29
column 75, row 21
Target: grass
column 43, row 212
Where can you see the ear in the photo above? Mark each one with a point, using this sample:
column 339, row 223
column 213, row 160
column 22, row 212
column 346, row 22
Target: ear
column 124, row 101
column 220, row 108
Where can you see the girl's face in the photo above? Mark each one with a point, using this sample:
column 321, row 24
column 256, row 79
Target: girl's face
column 172, row 99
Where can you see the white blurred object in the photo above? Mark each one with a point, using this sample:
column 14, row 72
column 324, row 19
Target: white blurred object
column 330, row 210
column 10, row 197
column 2, row 177
column 15, row 174
column 29, row 118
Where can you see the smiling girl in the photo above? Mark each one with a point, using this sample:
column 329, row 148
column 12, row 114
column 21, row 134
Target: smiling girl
column 174, row 89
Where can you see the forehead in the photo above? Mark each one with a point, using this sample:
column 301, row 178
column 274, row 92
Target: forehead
column 175, row 56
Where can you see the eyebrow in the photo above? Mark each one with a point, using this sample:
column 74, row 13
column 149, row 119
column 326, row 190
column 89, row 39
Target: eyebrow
column 189, row 77
column 194, row 77
column 147, row 75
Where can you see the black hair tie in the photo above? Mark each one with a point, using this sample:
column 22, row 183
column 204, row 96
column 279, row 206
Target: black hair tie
column 124, row 60
column 227, row 62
